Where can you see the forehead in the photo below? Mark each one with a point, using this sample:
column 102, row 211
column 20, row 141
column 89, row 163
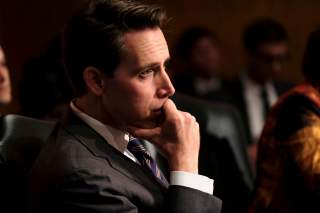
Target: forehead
column 205, row 42
column 146, row 46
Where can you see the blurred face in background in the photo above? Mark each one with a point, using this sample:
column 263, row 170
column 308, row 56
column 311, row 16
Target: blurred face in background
column 205, row 57
column 5, row 86
column 268, row 61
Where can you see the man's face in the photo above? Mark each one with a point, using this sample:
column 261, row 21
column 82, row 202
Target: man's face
column 205, row 57
column 5, row 87
column 135, row 95
column 268, row 61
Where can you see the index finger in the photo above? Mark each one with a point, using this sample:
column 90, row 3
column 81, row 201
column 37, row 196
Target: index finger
column 170, row 108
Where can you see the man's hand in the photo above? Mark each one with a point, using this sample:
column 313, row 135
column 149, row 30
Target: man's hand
column 177, row 137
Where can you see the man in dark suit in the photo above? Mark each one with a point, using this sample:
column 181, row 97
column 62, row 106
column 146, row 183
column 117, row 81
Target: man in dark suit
column 257, row 89
column 116, row 57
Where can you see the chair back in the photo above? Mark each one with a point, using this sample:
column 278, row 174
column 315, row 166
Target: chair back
column 224, row 121
column 21, row 141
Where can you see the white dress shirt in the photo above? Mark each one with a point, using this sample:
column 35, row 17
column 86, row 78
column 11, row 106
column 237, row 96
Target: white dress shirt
column 119, row 140
column 254, row 104
column 204, row 86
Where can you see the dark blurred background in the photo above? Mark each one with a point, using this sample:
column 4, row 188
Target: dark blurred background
column 26, row 28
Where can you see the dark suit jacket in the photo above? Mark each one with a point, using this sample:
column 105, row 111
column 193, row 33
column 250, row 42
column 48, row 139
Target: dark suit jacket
column 79, row 171
column 236, row 98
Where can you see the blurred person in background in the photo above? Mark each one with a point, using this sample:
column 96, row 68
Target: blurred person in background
column 45, row 91
column 256, row 90
column 198, row 61
column 199, row 55
column 288, row 169
column 5, row 84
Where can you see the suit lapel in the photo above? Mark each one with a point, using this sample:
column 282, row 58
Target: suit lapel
column 101, row 148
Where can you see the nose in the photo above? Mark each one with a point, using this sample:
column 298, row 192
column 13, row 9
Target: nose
column 2, row 74
column 166, row 88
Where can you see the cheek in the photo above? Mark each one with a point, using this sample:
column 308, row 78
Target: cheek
column 139, row 96
column 142, row 97
column 5, row 78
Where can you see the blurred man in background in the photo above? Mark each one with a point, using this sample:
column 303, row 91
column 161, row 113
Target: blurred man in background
column 256, row 90
column 199, row 57
column 5, row 85
column 45, row 91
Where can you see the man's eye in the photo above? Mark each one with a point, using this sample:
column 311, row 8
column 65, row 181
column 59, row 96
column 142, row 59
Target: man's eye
column 146, row 72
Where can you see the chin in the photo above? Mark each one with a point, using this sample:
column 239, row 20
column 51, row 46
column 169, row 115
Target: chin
column 5, row 100
column 148, row 123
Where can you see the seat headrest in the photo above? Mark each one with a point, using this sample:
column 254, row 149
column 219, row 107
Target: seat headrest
column 22, row 138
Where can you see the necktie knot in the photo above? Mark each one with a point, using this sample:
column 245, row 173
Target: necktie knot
column 143, row 156
column 135, row 145
column 138, row 150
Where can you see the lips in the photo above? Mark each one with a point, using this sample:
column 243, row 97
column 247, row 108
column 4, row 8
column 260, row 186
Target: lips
column 158, row 115
column 159, row 110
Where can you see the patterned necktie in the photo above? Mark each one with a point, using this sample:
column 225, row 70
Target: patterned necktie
column 145, row 159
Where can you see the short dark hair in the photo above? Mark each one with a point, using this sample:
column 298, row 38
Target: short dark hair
column 94, row 35
column 263, row 30
column 311, row 62
column 189, row 37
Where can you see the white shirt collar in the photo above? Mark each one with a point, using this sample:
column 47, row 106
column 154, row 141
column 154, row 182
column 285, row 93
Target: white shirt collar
column 252, row 86
column 248, row 82
column 115, row 137
column 204, row 86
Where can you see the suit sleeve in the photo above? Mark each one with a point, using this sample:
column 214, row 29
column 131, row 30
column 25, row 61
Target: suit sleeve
column 83, row 192
column 184, row 199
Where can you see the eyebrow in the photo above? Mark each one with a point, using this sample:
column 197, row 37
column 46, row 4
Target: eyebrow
column 153, row 65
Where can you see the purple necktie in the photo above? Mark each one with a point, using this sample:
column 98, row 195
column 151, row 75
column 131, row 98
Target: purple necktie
column 145, row 159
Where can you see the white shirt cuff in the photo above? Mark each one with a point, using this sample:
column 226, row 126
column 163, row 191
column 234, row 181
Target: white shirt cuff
column 195, row 181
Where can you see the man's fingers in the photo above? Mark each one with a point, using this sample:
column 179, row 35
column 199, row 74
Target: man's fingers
column 147, row 134
column 169, row 108
column 187, row 115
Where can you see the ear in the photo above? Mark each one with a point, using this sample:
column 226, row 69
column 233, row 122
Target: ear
column 93, row 78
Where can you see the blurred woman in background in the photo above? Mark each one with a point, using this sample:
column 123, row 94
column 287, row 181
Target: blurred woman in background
column 288, row 169
column 5, row 85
